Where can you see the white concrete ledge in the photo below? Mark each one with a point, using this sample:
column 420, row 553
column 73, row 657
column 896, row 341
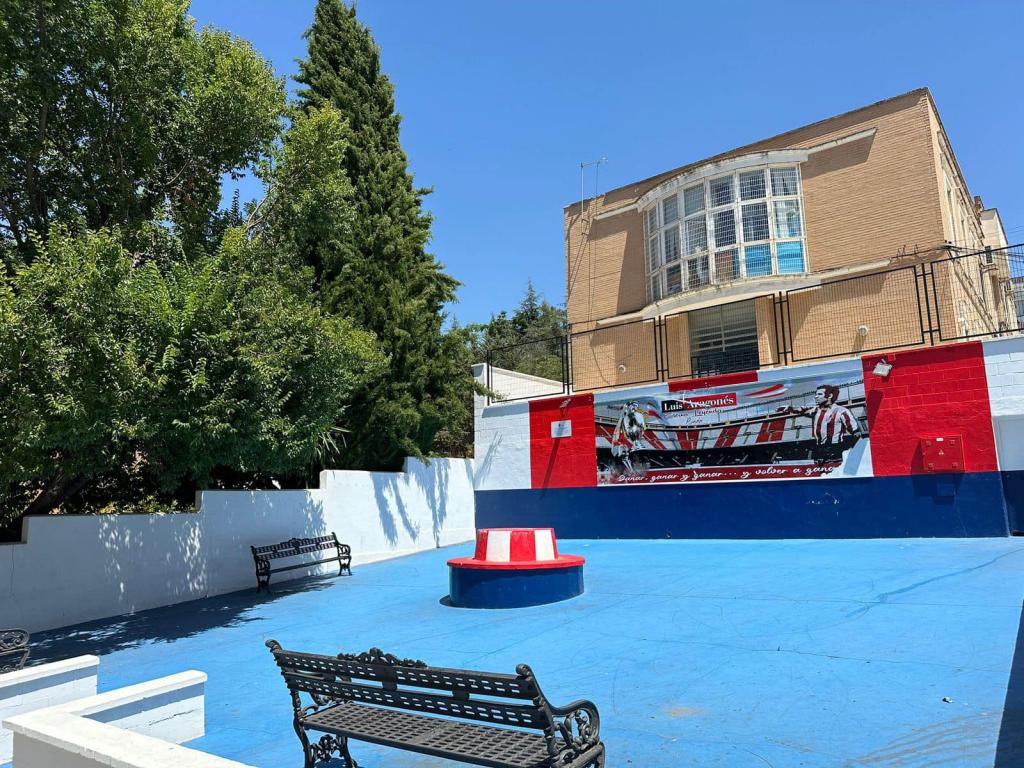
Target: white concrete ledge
column 42, row 686
column 140, row 726
column 52, row 738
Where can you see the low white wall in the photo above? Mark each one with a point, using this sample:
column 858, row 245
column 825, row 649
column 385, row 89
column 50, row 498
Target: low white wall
column 515, row 385
column 135, row 727
column 41, row 686
column 77, row 568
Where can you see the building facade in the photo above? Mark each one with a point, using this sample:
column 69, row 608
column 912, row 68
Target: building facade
column 856, row 233
column 817, row 335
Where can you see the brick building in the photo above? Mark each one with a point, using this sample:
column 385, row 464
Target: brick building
column 853, row 234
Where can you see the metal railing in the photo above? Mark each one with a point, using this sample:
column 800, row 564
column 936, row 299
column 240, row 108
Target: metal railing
column 958, row 297
column 534, row 368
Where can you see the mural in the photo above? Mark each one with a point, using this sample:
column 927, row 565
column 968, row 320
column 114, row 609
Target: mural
column 797, row 428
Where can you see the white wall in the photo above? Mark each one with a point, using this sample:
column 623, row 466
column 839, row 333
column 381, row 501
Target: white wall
column 41, row 686
column 139, row 726
column 515, row 385
column 77, row 568
column 1004, row 369
column 502, row 447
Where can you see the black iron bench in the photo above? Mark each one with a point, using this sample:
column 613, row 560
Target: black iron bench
column 405, row 704
column 13, row 649
column 298, row 548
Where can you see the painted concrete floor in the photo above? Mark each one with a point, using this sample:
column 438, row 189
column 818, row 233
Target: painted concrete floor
column 697, row 653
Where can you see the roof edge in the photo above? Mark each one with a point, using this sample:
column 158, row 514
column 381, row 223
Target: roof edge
column 922, row 91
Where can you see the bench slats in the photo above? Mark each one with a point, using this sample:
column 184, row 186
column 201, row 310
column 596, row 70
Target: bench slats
column 295, row 547
column 495, row 712
column 468, row 742
column 307, row 564
column 439, row 678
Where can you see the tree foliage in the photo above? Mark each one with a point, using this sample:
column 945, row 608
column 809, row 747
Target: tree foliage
column 127, row 379
column 380, row 273
column 528, row 341
column 151, row 345
column 118, row 112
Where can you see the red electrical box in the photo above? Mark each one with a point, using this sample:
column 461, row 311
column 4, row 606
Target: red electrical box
column 943, row 454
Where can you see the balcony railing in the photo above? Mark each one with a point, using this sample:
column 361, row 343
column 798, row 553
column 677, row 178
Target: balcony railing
column 963, row 296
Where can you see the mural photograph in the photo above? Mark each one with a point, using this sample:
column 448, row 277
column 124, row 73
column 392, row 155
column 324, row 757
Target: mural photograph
column 799, row 428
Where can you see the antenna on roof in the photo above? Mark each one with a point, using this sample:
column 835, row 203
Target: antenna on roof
column 575, row 268
column 597, row 169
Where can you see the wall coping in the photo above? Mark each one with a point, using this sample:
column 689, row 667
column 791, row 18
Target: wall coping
column 68, row 727
column 109, row 745
column 42, row 671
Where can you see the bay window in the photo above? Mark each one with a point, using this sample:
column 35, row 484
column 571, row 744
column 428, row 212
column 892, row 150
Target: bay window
column 735, row 226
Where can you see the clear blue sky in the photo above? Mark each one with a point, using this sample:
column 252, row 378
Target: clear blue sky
column 503, row 100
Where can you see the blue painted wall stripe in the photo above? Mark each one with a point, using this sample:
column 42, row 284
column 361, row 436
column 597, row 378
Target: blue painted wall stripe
column 954, row 505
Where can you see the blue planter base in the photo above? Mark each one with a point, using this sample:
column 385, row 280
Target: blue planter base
column 512, row 588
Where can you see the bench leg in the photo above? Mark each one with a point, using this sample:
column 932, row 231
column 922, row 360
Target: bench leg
column 320, row 751
column 307, row 750
column 349, row 762
column 262, row 576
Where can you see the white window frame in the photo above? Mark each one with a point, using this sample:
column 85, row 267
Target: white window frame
column 712, row 249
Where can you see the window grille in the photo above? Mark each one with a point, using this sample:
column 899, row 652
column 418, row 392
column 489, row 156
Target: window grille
column 723, row 338
column 745, row 224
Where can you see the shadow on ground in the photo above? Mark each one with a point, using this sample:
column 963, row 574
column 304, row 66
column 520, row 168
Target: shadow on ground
column 1010, row 748
column 167, row 624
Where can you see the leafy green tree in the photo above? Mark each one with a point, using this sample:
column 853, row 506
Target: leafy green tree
column 126, row 380
column 379, row 273
column 118, row 112
column 528, row 341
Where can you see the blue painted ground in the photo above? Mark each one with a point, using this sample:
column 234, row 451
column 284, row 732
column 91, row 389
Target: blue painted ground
column 698, row 653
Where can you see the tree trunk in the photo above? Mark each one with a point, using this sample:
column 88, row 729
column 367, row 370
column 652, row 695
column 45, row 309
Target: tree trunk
column 56, row 493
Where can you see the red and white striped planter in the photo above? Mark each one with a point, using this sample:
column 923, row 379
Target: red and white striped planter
column 516, row 549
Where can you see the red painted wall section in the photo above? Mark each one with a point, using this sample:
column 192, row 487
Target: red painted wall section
column 563, row 462
column 722, row 380
column 929, row 393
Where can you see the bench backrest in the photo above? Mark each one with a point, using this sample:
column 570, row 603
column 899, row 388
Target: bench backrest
column 296, row 547
column 381, row 679
column 13, row 649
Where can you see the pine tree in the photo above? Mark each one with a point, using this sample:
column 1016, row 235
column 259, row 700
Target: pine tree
column 381, row 274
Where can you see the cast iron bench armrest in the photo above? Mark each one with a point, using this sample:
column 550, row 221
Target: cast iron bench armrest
column 14, row 649
column 579, row 727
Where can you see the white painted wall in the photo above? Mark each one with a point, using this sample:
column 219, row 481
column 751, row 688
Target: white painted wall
column 78, row 568
column 515, row 385
column 139, row 726
column 502, row 447
column 41, row 686
column 1004, row 370
column 501, row 440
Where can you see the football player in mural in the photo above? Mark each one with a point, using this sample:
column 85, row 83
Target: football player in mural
column 628, row 434
column 834, row 428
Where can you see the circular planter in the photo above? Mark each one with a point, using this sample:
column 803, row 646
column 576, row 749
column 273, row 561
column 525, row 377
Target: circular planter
column 514, row 568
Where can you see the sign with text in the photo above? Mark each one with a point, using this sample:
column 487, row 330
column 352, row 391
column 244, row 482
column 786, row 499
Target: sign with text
column 561, row 428
column 797, row 428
